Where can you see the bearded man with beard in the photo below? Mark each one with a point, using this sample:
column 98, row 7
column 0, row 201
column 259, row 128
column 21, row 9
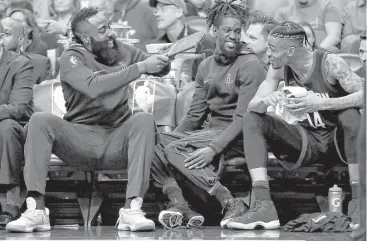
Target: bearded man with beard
column 98, row 131
column 225, row 84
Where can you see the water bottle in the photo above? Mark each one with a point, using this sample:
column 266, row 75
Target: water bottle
column 335, row 199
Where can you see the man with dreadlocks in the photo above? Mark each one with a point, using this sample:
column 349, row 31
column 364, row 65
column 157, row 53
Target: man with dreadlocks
column 333, row 97
column 225, row 83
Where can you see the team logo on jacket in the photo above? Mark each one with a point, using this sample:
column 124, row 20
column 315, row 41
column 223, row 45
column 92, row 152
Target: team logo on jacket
column 229, row 82
column 74, row 61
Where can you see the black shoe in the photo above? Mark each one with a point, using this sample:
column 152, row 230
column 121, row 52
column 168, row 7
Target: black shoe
column 5, row 218
column 179, row 214
column 232, row 207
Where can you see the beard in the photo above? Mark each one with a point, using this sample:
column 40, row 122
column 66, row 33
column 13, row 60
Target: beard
column 106, row 55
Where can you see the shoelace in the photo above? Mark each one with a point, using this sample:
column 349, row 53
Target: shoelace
column 30, row 214
column 227, row 206
column 255, row 207
column 131, row 212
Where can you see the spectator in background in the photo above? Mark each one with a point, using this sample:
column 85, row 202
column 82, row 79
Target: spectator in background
column 58, row 27
column 33, row 42
column 197, row 7
column 14, row 40
column 363, row 55
column 136, row 13
column 268, row 8
column 323, row 16
column 354, row 25
column 256, row 35
column 310, row 33
column 171, row 19
column 16, row 107
column 4, row 4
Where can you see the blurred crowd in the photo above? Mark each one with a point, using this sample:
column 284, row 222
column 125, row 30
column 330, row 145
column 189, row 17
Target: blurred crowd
column 334, row 25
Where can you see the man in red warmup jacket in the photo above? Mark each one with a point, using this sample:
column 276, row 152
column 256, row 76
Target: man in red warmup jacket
column 225, row 84
column 98, row 131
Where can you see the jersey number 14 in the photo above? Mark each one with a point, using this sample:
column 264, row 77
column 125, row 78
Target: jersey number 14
column 317, row 121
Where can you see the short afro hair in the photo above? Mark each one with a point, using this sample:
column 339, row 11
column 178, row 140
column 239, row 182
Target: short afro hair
column 225, row 8
column 268, row 23
column 81, row 16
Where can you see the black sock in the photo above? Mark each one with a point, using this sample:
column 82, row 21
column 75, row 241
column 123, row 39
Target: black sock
column 173, row 193
column 40, row 199
column 261, row 189
column 355, row 186
column 221, row 193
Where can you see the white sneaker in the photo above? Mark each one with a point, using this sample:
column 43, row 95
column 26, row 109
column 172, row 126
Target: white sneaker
column 133, row 219
column 31, row 220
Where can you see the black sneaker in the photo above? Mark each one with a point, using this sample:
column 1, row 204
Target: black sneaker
column 232, row 207
column 262, row 213
column 5, row 218
column 179, row 214
column 353, row 213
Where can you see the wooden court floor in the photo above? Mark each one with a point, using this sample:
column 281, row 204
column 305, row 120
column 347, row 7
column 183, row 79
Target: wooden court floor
column 207, row 233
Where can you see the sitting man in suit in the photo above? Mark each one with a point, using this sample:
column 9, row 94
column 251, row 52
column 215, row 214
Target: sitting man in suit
column 15, row 110
column 14, row 40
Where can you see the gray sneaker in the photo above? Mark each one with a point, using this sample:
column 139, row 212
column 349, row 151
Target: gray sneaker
column 232, row 207
column 261, row 214
column 32, row 220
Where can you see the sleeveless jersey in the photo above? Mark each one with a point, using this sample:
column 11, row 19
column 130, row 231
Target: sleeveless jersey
column 326, row 120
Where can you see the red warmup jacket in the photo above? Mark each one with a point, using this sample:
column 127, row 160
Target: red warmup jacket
column 223, row 92
column 96, row 94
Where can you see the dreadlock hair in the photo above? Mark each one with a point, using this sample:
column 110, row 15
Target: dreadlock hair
column 79, row 17
column 269, row 23
column 225, row 8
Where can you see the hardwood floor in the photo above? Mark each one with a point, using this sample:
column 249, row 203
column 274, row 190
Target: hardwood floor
column 207, row 233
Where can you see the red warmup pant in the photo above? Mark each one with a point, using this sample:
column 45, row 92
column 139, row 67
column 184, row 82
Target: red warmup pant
column 130, row 145
column 174, row 149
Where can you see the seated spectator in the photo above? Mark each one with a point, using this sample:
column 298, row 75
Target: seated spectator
column 136, row 13
column 62, row 11
column 363, row 55
column 268, row 8
column 225, row 83
column 354, row 25
column 256, row 35
column 171, row 19
column 333, row 99
column 16, row 108
column 310, row 33
column 4, row 4
column 13, row 41
column 197, row 7
column 323, row 16
column 98, row 130
column 33, row 42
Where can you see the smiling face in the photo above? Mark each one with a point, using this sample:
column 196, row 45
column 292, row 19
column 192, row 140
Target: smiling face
column 167, row 15
column 278, row 55
column 96, row 34
column 228, row 35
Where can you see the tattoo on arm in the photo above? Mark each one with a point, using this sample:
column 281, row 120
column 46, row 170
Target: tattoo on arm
column 337, row 68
